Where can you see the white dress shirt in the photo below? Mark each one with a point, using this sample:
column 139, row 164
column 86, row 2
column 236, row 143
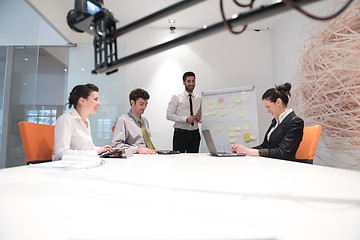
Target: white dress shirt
column 281, row 118
column 72, row 137
column 179, row 109
column 127, row 132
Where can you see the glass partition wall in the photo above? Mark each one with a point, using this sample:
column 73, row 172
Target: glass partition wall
column 36, row 93
column 39, row 83
column 3, row 53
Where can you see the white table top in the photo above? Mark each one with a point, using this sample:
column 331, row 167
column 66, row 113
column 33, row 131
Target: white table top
column 185, row 196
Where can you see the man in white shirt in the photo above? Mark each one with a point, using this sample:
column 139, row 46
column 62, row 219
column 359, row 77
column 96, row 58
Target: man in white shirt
column 185, row 110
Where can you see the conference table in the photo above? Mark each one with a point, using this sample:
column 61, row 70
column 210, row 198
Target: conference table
column 181, row 197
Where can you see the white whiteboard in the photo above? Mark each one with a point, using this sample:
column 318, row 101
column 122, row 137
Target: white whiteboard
column 231, row 117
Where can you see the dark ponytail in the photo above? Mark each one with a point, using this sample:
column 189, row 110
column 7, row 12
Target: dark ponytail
column 81, row 91
column 282, row 92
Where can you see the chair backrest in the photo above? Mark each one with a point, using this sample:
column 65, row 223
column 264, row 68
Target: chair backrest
column 38, row 141
column 309, row 142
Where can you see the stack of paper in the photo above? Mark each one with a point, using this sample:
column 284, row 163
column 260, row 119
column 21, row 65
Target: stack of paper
column 71, row 162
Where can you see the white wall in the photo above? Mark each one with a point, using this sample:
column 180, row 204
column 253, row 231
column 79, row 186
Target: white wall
column 289, row 36
column 21, row 25
column 220, row 61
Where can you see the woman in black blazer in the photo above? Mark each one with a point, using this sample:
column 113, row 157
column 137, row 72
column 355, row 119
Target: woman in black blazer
column 284, row 135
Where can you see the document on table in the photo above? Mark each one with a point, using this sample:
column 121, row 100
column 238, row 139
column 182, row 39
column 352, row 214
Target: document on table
column 71, row 163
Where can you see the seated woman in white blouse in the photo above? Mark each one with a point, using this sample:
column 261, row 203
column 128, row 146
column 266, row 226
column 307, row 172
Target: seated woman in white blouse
column 72, row 130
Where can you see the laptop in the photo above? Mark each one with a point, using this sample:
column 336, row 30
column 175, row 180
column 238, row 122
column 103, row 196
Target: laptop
column 212, row 149
column 167, row 152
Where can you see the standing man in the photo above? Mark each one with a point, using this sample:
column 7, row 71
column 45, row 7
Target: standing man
column 185, row 110
column 131, row 129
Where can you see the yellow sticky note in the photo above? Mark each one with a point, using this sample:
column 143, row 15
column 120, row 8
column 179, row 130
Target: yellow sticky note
column 232, row 127
column 247, row 137
column 212, row 106
column 241, row 112
column 222, row 112
column 218, row 128
column 221, row 105
column 213, row 112
column 245, row 127
column 232, row 134
column 252, row 136
column 206, row 114
column 238, row 99
column 232, row 140
column 230, row 105
column 237, row 127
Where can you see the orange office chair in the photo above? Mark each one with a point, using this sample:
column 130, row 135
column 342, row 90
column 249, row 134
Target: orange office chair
column 113, row 128
column 306, row 150
column 38, row 141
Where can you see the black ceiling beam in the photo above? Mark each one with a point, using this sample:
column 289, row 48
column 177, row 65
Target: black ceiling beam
column 242, row 19
column 155, row 16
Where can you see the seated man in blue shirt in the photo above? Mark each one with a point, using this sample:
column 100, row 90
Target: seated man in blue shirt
column 131, row 129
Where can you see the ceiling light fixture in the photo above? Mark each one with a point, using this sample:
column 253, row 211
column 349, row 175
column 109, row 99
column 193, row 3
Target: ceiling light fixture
column 172, row 29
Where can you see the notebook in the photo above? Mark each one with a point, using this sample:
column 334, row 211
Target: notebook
column 212, row 149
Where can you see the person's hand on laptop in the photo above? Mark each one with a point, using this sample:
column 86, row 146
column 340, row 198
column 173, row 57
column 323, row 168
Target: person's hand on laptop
column 104, row 149
column 238, row 148
column 118, row 154
column 141, row 150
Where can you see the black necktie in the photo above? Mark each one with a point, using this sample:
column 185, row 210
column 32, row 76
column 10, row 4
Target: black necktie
column 191, row 108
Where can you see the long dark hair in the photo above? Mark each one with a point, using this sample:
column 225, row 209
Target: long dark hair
column 282, row 92
column 81, row 91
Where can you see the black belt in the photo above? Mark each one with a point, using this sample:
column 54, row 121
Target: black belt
column 184, row 130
